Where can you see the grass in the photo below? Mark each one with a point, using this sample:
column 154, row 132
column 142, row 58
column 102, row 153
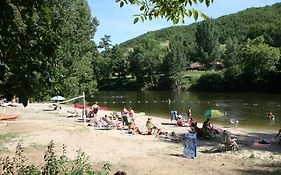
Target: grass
column 4, row 138
column 192, row 77
column 198, row 74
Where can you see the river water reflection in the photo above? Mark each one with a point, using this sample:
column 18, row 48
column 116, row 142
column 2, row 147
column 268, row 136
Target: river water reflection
column 249, row 108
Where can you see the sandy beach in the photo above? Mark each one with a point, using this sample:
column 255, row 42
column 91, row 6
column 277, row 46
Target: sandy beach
column 135, row 154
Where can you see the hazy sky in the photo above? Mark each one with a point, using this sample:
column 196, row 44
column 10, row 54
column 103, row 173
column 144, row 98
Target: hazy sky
column 118, row 22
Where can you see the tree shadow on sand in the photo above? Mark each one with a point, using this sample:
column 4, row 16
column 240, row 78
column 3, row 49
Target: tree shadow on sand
column 259, row 141
column 249, row 142
column 266, row 168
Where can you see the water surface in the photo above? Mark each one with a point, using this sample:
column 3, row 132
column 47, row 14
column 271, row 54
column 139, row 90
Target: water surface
column 249, row 108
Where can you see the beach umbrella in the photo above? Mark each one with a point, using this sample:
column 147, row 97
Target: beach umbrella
column 213, row 113
column 57, row 98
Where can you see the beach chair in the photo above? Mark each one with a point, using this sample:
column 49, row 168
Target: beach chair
column 227, row 143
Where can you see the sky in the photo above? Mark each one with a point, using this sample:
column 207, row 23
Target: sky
column 118, row 22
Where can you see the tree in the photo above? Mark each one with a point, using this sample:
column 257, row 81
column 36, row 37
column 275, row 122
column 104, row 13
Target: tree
column 103, row 62
column 207, row 42
column 231, row 51
column 119, row 62
column 73, row 22
column 144, row 63
column 105, row 43
column 175, row 10
column 231, row 60
column 176, row 62
column 27, row 47
column 258, row 59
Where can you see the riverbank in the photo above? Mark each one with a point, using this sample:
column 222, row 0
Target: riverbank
column 134, row 154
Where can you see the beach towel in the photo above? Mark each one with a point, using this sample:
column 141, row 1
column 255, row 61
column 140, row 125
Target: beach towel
column 261, row 144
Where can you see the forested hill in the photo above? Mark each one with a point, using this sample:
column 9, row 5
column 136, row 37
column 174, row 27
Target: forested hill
column 248, row 23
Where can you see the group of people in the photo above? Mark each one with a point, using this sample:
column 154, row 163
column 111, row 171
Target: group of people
column 126, row 120
column 208, row 130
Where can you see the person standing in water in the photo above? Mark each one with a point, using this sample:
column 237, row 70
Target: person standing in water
column 189, row 112
column 269, row 115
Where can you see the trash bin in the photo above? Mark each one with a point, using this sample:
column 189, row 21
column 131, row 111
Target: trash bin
column 189, row 149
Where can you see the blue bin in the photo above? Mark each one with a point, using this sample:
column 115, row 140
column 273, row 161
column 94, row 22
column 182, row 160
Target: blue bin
column 189, row 149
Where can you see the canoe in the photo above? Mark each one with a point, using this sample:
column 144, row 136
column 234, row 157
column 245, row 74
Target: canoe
column 8, row 117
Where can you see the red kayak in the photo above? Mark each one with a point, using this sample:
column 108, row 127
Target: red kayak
column 81, row 107
column 8, row 117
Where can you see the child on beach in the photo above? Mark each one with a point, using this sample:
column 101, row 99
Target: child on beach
column 150, row 127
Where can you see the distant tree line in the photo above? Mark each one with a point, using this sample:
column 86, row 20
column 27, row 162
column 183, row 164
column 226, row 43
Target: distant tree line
column 247, row 44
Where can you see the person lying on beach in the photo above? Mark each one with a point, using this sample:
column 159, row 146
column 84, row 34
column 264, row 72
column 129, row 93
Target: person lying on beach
column 170, row 136
column 112, row 121
column 100, row 123
column 133, row 129
column 72, row 113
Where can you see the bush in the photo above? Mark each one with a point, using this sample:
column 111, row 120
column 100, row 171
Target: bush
column 210, row 82
column 53, row 164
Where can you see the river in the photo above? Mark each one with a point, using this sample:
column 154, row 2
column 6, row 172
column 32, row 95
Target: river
column 249, row 108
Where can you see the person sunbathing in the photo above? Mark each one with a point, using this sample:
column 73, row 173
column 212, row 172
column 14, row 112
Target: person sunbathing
column 228, row 141
column 133, row 129
column 207, row 129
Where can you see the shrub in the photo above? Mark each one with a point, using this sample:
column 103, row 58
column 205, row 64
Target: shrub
column 53, row 164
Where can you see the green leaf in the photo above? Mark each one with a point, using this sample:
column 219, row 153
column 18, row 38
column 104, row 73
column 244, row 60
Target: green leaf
column 121, row 4
column 175, row 21
column 142, row 7
column 136, row 20
column 203, row 15
column 195, row 14
column 142, row 18
column 208, row 3
column 195, row 1
column 201, row 1
column 189, row 13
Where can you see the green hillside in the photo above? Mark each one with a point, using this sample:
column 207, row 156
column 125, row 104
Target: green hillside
column 245, row 46
column 248, row 23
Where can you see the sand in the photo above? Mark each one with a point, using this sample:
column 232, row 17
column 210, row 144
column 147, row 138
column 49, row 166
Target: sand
column 134, row 154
